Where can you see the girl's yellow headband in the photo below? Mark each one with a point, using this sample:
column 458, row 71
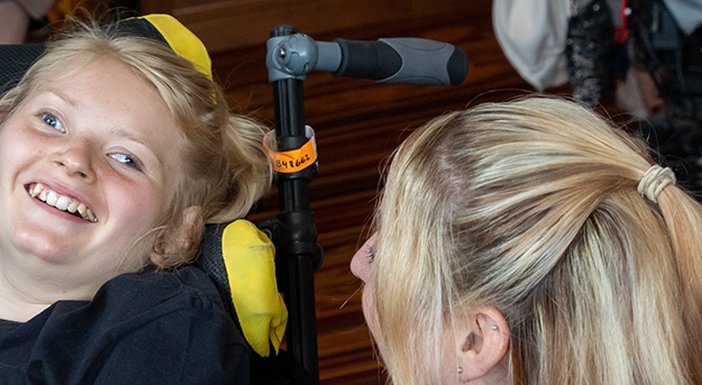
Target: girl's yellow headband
column 181, row 40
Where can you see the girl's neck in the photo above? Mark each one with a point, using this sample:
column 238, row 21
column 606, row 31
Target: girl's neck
column 23, row 295
column 19, row 312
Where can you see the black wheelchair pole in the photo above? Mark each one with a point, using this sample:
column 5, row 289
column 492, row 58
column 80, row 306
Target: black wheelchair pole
column 291, row 55
column 299, row 252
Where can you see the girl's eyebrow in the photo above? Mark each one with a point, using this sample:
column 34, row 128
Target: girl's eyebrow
column 118, row 131
column 114, row 130
column 62, row 96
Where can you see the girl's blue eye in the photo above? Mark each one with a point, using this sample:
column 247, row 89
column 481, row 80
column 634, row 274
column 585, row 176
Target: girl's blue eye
column 127, row 160
column 53, row 121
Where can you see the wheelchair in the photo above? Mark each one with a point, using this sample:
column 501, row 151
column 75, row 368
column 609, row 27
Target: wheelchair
column 291, row 56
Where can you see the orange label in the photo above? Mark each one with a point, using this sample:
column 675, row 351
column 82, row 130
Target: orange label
column 293, row 160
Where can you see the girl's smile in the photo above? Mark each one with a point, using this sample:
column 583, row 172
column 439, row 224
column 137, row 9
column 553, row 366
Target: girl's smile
column 61, row 202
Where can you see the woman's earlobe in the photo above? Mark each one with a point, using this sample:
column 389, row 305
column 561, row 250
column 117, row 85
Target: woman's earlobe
column 482, row 342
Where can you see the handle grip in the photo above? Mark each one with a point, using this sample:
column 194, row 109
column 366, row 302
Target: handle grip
column 403, row 60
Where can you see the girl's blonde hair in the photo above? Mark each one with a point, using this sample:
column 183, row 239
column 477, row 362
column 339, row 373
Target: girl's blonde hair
column 227, row 170
column 531, row 206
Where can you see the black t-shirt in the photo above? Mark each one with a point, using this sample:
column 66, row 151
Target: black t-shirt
column 141, row 328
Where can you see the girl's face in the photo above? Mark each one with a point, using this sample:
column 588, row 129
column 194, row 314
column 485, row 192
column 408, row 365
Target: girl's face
column 89, row 163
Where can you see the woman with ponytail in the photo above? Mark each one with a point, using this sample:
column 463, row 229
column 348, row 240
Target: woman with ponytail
column 532, row 243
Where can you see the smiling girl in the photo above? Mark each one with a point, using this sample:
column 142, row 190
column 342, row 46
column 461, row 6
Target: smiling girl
column 115, row 149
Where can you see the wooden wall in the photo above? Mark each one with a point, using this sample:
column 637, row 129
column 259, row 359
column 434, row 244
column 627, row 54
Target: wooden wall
column 226, row 25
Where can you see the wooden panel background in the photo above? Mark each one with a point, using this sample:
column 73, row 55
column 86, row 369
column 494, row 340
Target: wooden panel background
column 358, row 123
column 225, row 25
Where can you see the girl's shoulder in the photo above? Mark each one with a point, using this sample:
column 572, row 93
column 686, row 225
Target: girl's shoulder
column 154, row 322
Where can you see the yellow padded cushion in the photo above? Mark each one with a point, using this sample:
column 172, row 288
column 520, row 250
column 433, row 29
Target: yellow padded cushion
column 249, row 261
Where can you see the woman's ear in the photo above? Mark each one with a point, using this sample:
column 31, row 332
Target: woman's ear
column 481, row 340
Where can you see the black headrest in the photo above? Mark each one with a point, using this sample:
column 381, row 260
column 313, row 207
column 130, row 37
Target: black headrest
column 15, row 60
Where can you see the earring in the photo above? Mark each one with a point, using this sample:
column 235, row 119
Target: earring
column 493, row 327
column 460, row 370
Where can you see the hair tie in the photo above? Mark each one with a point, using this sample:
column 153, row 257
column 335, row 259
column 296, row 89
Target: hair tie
column 655, row 179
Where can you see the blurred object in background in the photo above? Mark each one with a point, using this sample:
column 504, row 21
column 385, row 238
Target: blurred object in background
column 27, row 21
column 102, row 10
column 552, row 43
column 646, row 54
column 666, row 46
column 590, row 51
column 15, row 18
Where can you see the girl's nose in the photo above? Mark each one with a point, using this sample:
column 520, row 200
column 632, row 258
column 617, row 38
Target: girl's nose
column 77, row 161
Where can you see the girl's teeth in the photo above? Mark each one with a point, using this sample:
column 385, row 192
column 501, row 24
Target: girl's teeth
column 35, row 190
column 82, row 210
column 62, row 203
column 52, row 198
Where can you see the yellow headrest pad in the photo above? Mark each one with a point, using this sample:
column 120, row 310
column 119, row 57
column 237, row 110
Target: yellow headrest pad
column 182, row 41
column 249, row 258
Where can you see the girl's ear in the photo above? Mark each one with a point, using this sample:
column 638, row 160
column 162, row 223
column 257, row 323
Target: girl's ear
column 181, row 237
column 481, row 340
column 188, row 230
